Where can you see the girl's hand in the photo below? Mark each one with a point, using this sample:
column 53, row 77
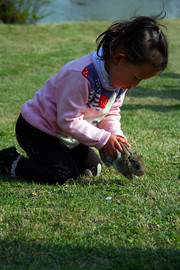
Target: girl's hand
column 113, row 145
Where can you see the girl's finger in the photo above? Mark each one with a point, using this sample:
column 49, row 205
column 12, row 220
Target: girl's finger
column 118, row 146
column 113, row 154
column 127, row 144
column 123, row 140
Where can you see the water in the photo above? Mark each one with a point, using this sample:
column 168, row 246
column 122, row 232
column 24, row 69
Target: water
column 108, row 10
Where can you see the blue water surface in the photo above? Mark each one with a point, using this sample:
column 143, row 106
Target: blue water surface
column 108, row 10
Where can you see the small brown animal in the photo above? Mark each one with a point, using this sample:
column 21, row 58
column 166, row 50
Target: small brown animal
column 128, row 163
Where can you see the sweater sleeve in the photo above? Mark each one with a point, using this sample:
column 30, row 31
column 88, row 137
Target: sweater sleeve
column 111, row 122
column 72, row 91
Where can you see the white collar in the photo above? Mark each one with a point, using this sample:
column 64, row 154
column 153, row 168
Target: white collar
column 101, row 69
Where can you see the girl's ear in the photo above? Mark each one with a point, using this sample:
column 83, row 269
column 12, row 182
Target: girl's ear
column 118, row 58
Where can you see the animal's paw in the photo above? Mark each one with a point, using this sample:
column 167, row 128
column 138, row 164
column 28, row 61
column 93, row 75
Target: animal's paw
column 129, row 176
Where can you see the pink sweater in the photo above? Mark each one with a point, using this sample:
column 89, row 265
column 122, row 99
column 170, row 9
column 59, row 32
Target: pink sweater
column 76, row 106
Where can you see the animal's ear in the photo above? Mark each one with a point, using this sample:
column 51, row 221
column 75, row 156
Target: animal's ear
column 130, row 157
column 125, row 149
column 128, row 149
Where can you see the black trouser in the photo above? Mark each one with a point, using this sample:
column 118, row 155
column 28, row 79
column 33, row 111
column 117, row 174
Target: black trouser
column 49, row 160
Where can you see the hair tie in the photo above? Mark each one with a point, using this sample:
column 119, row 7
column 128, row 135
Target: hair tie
column 159, row 30
column 123, row 32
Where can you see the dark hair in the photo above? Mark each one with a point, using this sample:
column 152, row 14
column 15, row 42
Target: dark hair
column 140, row 39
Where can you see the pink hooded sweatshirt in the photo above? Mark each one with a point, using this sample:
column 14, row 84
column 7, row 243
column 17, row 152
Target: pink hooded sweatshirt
column 76, row 105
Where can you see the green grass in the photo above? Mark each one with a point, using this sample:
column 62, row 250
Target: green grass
column 73, row 226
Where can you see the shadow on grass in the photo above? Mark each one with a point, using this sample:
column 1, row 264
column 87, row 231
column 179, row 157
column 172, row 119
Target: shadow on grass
column 167, row 92
column 156, row 108
column 171, row 91
column 31, row 255
column 82, row 181
column 169, row 75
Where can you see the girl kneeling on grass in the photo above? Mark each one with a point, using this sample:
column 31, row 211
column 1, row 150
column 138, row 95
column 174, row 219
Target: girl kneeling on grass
column 78, row 107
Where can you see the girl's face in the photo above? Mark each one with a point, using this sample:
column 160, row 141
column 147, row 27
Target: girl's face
column 124, row 74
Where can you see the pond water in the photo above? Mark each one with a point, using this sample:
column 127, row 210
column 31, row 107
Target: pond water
column 108, row 10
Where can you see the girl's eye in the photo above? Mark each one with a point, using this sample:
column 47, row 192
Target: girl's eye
column 136, row 79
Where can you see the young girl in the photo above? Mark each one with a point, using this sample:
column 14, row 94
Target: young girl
column 78, row 108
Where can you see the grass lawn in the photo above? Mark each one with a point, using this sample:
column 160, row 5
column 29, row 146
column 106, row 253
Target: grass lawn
column 72, row 226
